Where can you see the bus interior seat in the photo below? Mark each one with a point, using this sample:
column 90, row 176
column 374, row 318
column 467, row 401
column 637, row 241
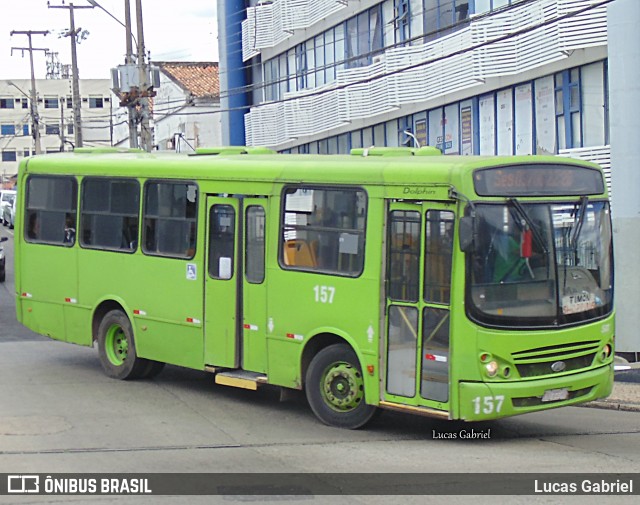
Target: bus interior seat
column 298, row 253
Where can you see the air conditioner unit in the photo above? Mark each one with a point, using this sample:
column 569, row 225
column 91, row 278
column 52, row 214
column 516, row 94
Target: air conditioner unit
column 378, row 58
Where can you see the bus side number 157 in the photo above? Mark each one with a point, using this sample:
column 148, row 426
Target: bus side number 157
column 487, row 404
column 324, row 294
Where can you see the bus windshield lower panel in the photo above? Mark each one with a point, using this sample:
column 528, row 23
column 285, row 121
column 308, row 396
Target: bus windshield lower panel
column 540, row 265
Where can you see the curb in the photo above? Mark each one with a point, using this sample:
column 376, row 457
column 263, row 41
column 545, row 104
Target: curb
column 613, row 405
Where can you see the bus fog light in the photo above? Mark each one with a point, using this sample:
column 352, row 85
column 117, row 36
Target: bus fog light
column 492, row 368
column 605, row 353
column 506, row 372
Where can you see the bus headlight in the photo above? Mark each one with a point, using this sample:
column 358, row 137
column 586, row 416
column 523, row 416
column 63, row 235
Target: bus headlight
column 492, row 368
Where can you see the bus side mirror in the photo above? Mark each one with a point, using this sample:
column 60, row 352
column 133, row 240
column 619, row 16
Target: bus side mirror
column 465, row 234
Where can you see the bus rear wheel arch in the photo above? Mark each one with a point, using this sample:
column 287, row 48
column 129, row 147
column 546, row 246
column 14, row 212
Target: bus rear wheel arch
column 116, row 347
column 334, row 387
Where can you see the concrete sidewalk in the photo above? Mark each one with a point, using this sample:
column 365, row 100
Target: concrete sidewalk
column 626, row 390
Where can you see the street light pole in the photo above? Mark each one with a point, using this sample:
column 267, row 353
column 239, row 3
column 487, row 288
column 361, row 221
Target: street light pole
column 35, row 118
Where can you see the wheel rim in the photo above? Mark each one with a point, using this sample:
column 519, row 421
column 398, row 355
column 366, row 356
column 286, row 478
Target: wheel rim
column 342, row 387
column 116, row 345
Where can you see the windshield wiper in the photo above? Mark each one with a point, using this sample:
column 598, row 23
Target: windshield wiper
column 534, row 229
column 584, row 201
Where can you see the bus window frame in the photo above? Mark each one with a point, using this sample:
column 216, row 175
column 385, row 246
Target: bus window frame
column 81, row 213
column 141, row 232
column 25, row 209
column 281, row 226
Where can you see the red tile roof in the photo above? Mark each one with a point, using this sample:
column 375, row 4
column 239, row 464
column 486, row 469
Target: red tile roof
column 201, row 79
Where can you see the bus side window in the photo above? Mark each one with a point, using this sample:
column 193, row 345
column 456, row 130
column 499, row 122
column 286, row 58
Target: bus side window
column 51, row 209
column 169, row 219
column 324, row 230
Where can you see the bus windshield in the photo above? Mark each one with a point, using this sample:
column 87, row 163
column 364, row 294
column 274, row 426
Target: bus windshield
column 541, row 264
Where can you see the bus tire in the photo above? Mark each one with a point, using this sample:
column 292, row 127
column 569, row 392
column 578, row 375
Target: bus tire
column 335, row 388
column 117, row 349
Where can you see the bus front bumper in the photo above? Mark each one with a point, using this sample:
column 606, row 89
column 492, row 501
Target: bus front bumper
column 490, row 400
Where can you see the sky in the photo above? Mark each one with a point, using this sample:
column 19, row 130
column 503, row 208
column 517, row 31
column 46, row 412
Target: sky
column 183, row 30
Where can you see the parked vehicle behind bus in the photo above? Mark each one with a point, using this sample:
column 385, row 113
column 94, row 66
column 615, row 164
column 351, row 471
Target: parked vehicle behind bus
column 458, row 287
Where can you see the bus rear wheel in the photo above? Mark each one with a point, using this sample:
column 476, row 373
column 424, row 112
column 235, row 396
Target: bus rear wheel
column 117, row 349
column 335, row 388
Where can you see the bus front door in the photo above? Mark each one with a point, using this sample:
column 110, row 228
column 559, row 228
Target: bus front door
column 419, row 259
column 235, row 291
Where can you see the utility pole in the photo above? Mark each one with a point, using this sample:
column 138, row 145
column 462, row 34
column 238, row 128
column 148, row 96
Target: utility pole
column 62, row 139
column 75, row 86
column 131, row 81
column 129, row 60
column 35, row 118
column 143, row 69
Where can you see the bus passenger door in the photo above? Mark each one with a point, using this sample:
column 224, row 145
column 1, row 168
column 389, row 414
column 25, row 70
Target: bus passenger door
column 254, row 286
column 418, row 287
column 221, row 313
column 235, row 288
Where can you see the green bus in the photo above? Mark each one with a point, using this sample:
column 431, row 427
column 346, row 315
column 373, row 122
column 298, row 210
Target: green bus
column 466, row 287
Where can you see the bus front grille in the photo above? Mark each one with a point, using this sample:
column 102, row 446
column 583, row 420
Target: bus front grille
column 555, row 359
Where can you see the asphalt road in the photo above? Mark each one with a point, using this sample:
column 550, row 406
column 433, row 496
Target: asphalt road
column 59, row 413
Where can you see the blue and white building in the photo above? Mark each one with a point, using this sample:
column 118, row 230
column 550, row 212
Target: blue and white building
column 512, row 77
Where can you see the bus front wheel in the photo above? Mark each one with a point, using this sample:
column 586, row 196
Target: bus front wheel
column 117, row 349
column 335, row 388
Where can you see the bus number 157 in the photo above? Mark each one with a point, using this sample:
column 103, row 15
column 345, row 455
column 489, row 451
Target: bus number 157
column 487, row 404
column 324, row 294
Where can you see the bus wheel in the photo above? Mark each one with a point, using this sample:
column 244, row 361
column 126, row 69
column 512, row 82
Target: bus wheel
column 335, row 388
column 116, row 347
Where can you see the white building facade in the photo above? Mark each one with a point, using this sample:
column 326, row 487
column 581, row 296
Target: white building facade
column 468, row 76
column 103, row 121
column 186, row 108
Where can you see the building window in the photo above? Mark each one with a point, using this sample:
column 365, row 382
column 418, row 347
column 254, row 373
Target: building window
column 51, row 102
column 25, row 129
column 26, row 153
column 440, row 15
column 6, row 103
column 402, row 20
column 51, row 210
column 25, row 103
column 323, row 230
column 364, row 37
column 7, row 129
column 52, row 129
column 568, row 109
column 109, row 214
column 69, row 103
column 96, row 102
column 9, row 155
column 170, row 211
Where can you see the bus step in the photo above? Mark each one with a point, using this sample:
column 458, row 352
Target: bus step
column 241, row 379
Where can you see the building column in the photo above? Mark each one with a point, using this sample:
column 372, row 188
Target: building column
column 233, row 77
column 623, row 19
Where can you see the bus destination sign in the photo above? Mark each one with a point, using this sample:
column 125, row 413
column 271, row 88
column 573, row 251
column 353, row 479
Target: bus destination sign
column 538, row 180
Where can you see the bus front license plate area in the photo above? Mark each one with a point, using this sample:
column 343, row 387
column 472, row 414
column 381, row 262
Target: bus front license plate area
column 554, row 395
